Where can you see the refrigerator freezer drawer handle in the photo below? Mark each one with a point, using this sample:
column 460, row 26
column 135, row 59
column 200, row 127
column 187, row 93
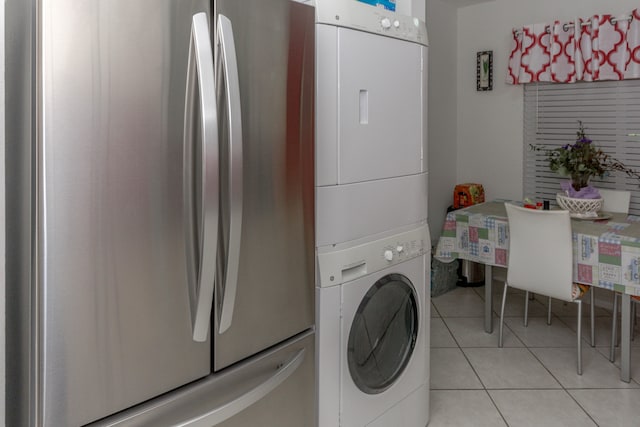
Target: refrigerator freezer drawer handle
column 232, row 86
column 228, row 410
column 201, row 274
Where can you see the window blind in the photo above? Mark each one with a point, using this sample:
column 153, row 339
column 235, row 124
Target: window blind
column 610, row 113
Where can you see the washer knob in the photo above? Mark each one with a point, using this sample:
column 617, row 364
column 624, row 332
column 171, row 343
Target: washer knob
column 399, row 248
column 388, row 255
column 386, row 23
column 396, row 23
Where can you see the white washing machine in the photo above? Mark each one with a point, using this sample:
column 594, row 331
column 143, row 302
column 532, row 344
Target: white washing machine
column 371, row 135
column 373, row 316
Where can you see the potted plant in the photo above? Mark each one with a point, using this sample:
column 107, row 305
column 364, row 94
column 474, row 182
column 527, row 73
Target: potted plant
column 580, row 161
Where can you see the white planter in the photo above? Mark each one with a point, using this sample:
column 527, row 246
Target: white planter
column 579, row 206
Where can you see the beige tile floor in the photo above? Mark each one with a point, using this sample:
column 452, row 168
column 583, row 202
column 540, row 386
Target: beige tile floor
column 532, row 381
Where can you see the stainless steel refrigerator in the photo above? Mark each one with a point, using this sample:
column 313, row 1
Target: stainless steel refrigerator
column 160, row 197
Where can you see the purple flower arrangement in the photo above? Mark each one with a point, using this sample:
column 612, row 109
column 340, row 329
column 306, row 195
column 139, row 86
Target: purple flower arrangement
column 580, row 161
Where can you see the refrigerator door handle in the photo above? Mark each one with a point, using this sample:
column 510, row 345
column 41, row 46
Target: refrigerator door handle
column 214, row 400
column 232, row 86
column 202, row 230
column 239, row 404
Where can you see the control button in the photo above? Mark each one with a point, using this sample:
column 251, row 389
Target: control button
column 386, row 23
column 416, row 22
column 399, row 248
column 388, row 255
column 396, row 23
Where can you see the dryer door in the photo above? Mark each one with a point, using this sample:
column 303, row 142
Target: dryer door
column 380, row 107
column 383, row 334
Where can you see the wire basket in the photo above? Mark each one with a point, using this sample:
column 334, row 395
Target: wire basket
column 578, row 206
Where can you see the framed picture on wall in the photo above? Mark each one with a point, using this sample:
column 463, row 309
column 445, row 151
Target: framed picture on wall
column 484, row 70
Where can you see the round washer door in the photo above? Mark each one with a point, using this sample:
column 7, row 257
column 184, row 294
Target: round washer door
column 383, row 334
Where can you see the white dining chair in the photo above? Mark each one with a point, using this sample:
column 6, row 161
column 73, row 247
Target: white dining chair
column 541, row 261
column 615, row 200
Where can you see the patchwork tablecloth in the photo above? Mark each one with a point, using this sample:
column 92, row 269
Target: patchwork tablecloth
column 606, row 252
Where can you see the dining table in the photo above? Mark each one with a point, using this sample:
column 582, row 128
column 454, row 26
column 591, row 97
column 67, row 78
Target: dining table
column 606, row 254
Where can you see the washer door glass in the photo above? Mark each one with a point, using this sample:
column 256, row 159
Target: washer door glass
column 383, row 334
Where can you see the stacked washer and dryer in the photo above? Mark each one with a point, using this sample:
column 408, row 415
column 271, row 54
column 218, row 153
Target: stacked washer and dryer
column 372, row 239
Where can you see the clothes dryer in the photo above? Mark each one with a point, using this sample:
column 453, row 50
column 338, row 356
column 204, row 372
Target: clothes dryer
column 371, row 134
column 373, row 331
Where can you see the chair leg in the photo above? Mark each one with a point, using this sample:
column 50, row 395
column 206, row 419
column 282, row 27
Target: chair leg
column 593, row 316
column 526, row 308
column 549, row 311
column 633, row 320
column 614, row 333
column 504, row 299
column 579, row 337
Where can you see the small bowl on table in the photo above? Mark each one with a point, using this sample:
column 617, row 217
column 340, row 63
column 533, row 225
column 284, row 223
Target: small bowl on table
column 579, row 207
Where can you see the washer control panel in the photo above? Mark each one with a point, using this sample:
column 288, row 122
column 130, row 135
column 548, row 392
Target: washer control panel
column 359, row 16
column 399, row 250
column 342, row 264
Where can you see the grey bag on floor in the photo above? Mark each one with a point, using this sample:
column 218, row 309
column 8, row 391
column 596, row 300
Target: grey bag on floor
column 444, row 276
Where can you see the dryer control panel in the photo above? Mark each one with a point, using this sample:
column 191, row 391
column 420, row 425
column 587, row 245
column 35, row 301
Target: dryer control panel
column 359, row 16
column 349, row 261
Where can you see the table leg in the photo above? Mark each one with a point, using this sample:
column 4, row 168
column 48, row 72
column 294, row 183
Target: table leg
column 488, row 300
column 625, row 339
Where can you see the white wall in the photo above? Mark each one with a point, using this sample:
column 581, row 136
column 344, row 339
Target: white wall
column 490, row 141
column 477, row 136
column 442, row 113
column 418, row 8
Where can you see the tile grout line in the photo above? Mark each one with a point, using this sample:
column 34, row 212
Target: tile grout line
column 562, row 387
column 484, row 388
column 496, row 406
column 473, row 369
column 563, row 320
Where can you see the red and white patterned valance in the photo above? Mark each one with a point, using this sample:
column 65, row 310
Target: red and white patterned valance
column 603, row 47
